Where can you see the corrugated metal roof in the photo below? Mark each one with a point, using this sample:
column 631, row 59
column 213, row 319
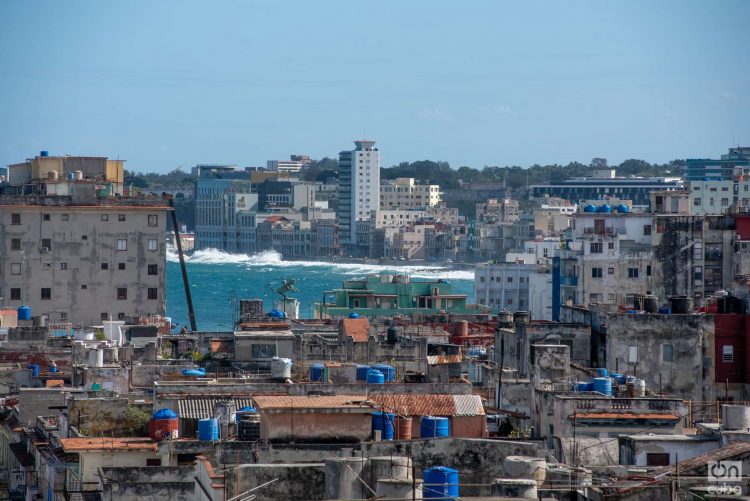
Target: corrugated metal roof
column 266, row 402
column 431, row 405
column 444, row 359
column 203, row 407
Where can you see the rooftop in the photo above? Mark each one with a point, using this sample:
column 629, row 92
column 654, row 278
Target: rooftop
column 311, row 402
column 431, row 405
column 356, row 328
column 107, row 444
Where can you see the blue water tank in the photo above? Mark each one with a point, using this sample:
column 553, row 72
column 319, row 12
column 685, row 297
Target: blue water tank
column 165, row 414
column 208, row 430
column 590, row 208
column 601, row 372
column 52, row 369
column 619, row 378
column 581, row 387
column 362, row 371
column 247, row 410
column 605, row 209
column 383, row 422
column 388, row 371
column 432, row 427
column 353, row 315
column 622, row 209
column 603, row 385
column 440, row 482
column 71, row 176
column 374, row 376
column 44, row 153
column 193, row 373
column 34, row 368
column 316, row 372
column 24, row 312
column 665, row 310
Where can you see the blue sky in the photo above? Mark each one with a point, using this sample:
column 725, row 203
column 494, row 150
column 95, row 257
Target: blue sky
column 176, row 83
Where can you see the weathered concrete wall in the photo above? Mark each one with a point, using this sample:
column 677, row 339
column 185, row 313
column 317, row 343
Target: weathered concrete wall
column 295, row 481
column 306, row 425
column 691, row 338
column 634, row 451
column 479, row 461
column 151, row 483
column 145, row 375
column 516, row 396
column 37, row 402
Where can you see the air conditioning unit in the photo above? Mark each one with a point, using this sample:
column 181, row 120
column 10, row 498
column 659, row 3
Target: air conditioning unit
column 45, row 250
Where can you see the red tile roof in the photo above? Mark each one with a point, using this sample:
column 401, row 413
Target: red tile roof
column 104, row 443
column 356, row 328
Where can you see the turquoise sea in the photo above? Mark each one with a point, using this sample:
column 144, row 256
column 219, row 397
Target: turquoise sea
column 217, row 277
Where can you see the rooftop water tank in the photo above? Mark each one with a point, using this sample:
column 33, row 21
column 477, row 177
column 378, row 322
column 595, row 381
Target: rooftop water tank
column 440, row 482
column 622, row 209
column 353, row 315
column 163, row 424
column 281, row 368
column 383, row 422
column 388, row 371
column 606, row 209
column 374, row 376
column 590, row 208
column 317, row 373
column 24, row 312
column 208, row 430
column 44, row 153
column 432, row 427
column 362, row 371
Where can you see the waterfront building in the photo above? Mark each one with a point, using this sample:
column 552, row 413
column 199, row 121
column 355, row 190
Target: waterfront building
column 85, row 256
column 359, row 194
column 503, row 286
column 406, row 193
column 390, row 295
column 220, row 191
column 497, row 210
column 605, row 183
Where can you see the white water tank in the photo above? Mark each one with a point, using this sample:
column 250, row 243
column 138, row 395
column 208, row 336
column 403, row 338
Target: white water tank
column 96, row 358
column 281, row 368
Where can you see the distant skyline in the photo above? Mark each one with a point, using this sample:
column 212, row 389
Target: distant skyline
column 164, row 84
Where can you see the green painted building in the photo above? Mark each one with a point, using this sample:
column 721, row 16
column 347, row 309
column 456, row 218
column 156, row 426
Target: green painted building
column 389, row 295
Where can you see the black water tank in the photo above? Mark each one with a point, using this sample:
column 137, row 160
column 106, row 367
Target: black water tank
column 391, row 335
column 681, row 305
column 651, row 304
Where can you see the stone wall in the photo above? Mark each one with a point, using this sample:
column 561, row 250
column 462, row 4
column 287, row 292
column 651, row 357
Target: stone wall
column 290, row 481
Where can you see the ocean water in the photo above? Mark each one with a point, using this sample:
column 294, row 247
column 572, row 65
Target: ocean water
column 217, row 277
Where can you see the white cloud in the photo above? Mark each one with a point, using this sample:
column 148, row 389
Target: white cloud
column 435, row 114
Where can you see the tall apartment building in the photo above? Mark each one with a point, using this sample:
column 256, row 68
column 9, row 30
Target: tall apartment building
column 74, row 252
column 406, row 193
column 359, row 192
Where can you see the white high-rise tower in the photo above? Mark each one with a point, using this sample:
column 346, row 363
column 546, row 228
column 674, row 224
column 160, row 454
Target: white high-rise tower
column 359, row 190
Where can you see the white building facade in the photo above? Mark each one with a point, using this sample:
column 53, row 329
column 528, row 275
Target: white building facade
column 359, row 192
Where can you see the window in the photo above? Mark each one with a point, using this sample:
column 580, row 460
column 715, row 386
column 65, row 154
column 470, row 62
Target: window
column 153, row 462
column 64, row 217
column 611, row 245
column 121, row 316
column 725, row 202
column 15, row 294
column 45, row 217
column 15, row 268
column 84, row 287
column 596, row 273
column 105, row 266
column 121, row 217
column 152, row 245
column 122, row 293
column 667, row 353
column 596, row 247
column 727, row 353
column 63, row 266
column 122, row 244
column 263, row 351
column 152, row 294
column 153, row 220
column 105, row 217
column 120, row 266
column 46, row 266
column 46, row 293
column 510, row 280
column 152, row 269
column 46, row 243
column 15, row 244
column 63, row 316
column 610, row 271
column 632, row 272
column 15, row 219
column 610, row 297
column 697, row 201
column 698, row 273
column 510, row 302
column 84, row 237
column 657, row 459
column 481, row 279
column 104, row 317
column 646, row 229
column 648, row 270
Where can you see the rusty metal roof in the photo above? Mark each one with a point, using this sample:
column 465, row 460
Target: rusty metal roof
column 267, row 402
column 444, row 359
column 203, row 407
column 356, row 328
column 431, row 405
column 106, row 443
column 222, row 346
